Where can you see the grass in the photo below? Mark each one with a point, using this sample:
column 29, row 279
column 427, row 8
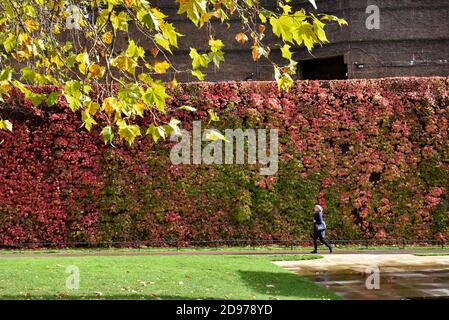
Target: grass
column 156, row 277
column 293, row 257
column 431, row 254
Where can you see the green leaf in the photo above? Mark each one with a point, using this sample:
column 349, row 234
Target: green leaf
column 10, row 43
column 31, row 76
column 198, row 60
column 286, row 8
column 130, row 93
column 134, row 51
column 73, row 88
column 156, row 132
column 108, row 134
column 36, row 98
column 74, row 103
column 6, row 74
column 169, row 32
column 146, row 78
column 120, row 21
column 52, row 98
column 216, row 57
column 87, row 120
column 163, row 42
column 284, row 80
column 318, row 28
column 212, row 115
column 286, row 53
column 156, row 95
column 340, row 21
column 307, row 35
column 283, row 27
column 72, row 93
column 128, row 132
column 193, row 8
column 148, row 19
column 198, row 74
column 172, row 127
column 91, row 107
column 215, row 45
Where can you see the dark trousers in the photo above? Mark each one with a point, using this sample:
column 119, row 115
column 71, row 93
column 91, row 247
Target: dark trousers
column 322, row 236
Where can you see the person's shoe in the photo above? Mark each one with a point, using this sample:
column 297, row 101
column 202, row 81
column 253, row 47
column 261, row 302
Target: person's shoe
column 314, row 252
column 330, row 250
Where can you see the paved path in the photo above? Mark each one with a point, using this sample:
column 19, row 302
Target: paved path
column 358, row 263
column 401, row 276
column 336, row 253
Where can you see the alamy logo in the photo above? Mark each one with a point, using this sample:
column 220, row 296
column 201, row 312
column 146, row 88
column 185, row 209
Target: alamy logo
column 190, row 150
column 72, row 282
column 74, row 19
column 373, row 280
column 373, row 20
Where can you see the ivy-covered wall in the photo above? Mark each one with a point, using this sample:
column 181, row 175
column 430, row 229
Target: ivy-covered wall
column 374, row 153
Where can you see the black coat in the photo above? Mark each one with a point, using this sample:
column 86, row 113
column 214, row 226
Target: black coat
column 318, row 217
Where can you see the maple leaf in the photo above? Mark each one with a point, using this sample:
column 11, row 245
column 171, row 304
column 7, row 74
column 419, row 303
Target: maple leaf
column 161, row 67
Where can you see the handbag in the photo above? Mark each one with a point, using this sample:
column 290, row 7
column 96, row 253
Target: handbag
column 320, row 226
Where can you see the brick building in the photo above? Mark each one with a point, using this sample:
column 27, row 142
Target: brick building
column 412, row 40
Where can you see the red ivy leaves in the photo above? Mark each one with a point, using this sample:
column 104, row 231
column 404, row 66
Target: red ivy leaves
column 380, row 148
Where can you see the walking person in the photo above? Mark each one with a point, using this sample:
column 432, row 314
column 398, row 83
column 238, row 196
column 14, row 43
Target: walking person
column 319, row 229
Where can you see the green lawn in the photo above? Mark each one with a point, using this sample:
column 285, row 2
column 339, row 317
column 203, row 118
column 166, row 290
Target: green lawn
column 156, row 277
column 431, row 254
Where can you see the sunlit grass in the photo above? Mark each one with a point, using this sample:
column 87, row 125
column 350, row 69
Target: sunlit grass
column 155, row 277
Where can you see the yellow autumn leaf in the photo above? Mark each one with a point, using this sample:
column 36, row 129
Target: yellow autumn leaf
column 57, row 29
column 107, row 37
column 82, row 68
column 139, row 108
column 128, row 132
column 96, row 71
column 173, row 84
column 5, row 125
column 5, row 87
column 31, row 24
column 161, row 67
column 27, row 50
column 124, row 63
column 205, row 17
column 56, row 61
column 109, row 105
